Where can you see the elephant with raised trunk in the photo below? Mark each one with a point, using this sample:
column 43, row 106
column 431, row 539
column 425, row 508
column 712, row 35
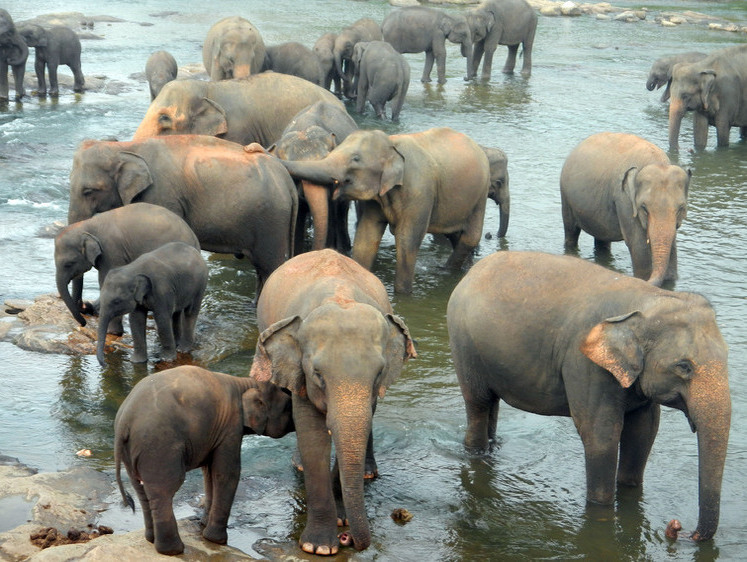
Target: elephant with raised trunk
column 328, row 334
column 618, row 186
column 559, row 336
column 54, row 46
column 233, row 48
column 13, row 54
column 364, row 29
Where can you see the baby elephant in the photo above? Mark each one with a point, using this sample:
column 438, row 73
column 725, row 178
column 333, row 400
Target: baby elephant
column 184, row 418
column 54, row 46
column 171, row 282
column 381, row 74
column 160, row 69
column 661, row 71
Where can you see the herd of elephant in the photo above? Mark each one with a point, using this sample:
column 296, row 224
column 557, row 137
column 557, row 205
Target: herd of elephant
column 601, row 347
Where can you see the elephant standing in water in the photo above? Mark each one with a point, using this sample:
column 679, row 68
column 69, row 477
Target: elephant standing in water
column 328, row 334
column 160, row 68
column 556, row 335
column 381, row 75
column 498, row 190
column 618, row 186
column 324, row 49
column 661, row 71
column 295, row 59
column 54, row 46
column 364, row 29
column 13, row 54
column 233, row 48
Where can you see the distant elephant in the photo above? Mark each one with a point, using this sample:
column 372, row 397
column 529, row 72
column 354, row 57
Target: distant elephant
column 233, row 48
column 661, row 71
column 328, row 334
column 184, row 418
column 434, row 181
column 498, row 190
column 236, row 202
column 559, row 336
column 169, row 281
column 295, row 59
column 715, row 88
column 256, row 109
column 416, row 29
column 54, row 46
column 618, row 186
column 364, row 29
column 13, row 53
column 324, row 48
column 501, row 22
column 160, row 68
column 110, row 239
column 381, row 75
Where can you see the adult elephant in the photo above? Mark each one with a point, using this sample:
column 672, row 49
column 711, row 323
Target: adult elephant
column 295, row 59
column 434, row 181
column 237, row 202
column 364, row 29
column 661, row 71
column 618, row 186
column 111, row 239
column 54, row 46
column 382, row 74
column 233, row 48
column 13, row 54
column 417, row 29
column 715, row 88
column 256, row 109
column 498, row 190
column 160, row 68
column 328, row 334
column 501, row 22
column 603, row 348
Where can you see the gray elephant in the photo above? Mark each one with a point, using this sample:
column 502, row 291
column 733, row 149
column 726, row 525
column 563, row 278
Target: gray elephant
column 256, row 109
column 108, row 240
column 328, row 334
column 169, row 281
column 557, row 335
column 13, row 54
column 54, row 46
column 236, row 201
column 417, row 29
column 160, row 68
column 364, row 29
column 381, row 74
column 295, row 59
column 715, row 88
column 324, row 48
column 501, row 22
column 498, row 190
column 618, row 186
column 185, row 418
column 661, row 71
column 233, row 48
column 435, row 181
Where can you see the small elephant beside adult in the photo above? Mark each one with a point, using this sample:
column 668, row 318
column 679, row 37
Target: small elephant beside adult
column 661, row 71
column 13, row 54
column 499, row 190
column 295, row 59
column 417, row 29
column 618, row 186
column 324, row 49
column 184, row 418
column 382, row 74
column 557, row 335
column 169, row 281
column 54, row 46
column 329, row 335
column 160, row 68
column 364, row 29
column 715, row 88
column 434, row 181
column 233, row 48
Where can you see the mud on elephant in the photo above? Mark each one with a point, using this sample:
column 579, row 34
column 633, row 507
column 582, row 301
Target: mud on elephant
column 233, row 48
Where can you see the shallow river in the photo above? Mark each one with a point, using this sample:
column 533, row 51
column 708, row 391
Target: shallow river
column 525, row 500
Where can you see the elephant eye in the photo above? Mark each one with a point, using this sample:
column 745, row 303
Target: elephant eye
column 685, row 368
column 355, row 158
column 88, row 191
column 319, row 378
column 644, row 209
column 164, row 119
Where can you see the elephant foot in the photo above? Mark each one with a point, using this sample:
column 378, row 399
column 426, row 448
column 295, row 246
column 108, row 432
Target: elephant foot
column 425, row 80
column 149, row 535
column 216, row 534
column 371, row 470
column 170, row 548
column 296, row 460
column 138, row 358
column 320, row 550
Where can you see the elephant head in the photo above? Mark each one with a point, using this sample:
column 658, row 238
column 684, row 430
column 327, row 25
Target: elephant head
column 457, row 30
column 13, row 48
column 239, row 53
column 691, row 90
column 33, row 35
column 75, row 252
column 267, row 410
column 498, row 190
column 677, row 366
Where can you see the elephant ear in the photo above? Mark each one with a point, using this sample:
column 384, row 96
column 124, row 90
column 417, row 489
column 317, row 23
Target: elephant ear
column 91, row 248
column 445, row 26
column 400, row 348
column 393, row 172
column 255, row 411
column 613, row 345
column 209, row 119
column 358, row 51
column 277, row 357
column 628, row 187
column 143, row 288
column 132, row 176
column 707, row 79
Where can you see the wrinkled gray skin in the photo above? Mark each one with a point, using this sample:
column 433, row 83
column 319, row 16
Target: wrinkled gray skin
column 160, row 68
column 328, row 334
column 170, row 281
column 661, row 71
column 184, row 418
column 13, row 54
column 603, row 348
column 715, row 88
column 498, row 190
column 619, row 186
column 381, row 75
column 417, row 29
column 501, row 22
column 108, row 240
column 233, row 48
column 364, row 29
column 54, row 46
column 324, row 48
column 295, row 59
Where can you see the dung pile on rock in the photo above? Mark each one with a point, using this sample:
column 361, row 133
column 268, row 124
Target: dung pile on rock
column 51, row 536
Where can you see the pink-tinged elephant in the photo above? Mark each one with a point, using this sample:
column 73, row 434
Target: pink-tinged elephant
column 233, row 48
column 328, row 334
column 559, row 336
column 618, row 186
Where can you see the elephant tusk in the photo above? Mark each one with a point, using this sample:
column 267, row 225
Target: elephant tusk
column 329, row 431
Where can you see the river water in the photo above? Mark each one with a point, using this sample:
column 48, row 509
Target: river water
column 526, row 499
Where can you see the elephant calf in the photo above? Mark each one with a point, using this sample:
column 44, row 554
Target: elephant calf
column 661, row 71
column 185, row 418
column 54, row 46
column 381, row 75
column 160, row 69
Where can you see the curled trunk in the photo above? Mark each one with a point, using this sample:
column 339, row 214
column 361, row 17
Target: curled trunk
column 676, row 113
column 22, row 53
column 73, row 302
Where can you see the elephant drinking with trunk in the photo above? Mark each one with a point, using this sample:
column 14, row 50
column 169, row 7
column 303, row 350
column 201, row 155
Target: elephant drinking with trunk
column 498, row 190
column 559, row 336
column 328, row 334
column 661, row 71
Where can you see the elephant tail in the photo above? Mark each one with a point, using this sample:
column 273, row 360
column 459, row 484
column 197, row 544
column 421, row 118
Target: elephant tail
column 126, row 497
column 293, row 220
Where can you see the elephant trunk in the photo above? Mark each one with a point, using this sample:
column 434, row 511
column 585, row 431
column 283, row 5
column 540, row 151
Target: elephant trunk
column 676, row 113
column 23, row 53
column 338, row 63
column 504, row 215
column 148, row 126
column 73, row 302
column 314, row 171
column 101, row 341
column 467, row 52
column 661, row 240
column 317, row 197
column 243, row 70
column 651, row 83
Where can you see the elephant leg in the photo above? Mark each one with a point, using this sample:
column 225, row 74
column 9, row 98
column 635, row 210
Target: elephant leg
column 79, row 79
column 18, row 72
column 397, row 102
column 723, row 128
column 426, row 78
column 440, row 56
column 189, row 321
column 145, row 507
column 526, row 52
column 368, row 234
column 570, row 226
column 482, row 416
column 160, row 499
column 637, row 438
column 4, row 81
column 478, row 50
column 487, row 65
column 54, row 88
column 165, row 326
column 207, row 481
column 508, row 68
column 338, row 229
column 469, row 238
column 138, row 319
column 700, row 130
column 177, row 328
column 743, row 132
column 225, row 470
column 361, row 92
column 407, row 242
column 41, row 81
